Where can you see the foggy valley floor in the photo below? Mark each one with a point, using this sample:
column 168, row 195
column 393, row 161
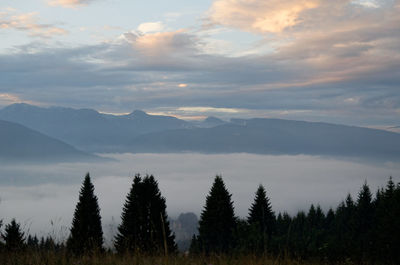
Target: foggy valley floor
column 42, row 197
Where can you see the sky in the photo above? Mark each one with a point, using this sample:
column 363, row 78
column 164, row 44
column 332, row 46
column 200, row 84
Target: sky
column 317, row 60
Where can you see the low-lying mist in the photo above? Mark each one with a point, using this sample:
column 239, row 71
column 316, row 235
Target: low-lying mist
column 42, row 197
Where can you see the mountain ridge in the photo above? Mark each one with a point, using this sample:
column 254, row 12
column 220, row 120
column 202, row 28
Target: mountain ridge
column 87, row 128
column 21, row 144
column 139, row 132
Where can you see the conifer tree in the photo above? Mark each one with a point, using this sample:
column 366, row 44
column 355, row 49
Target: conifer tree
column 13, row 236
column 364, row 222
column 145, row 225
column 314, row 229
column 86, row 232
column 32, row 242
column 388, row 225
column 129, row 236
column 217, row 221
column 345, row 228
column 390, row 188
column 262, row 218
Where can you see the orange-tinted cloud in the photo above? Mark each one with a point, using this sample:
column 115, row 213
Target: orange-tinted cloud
column 8, row 98
column 29, row 22
column 335, row 40
column 261, row 16
column 164, row 44
column 68, row 3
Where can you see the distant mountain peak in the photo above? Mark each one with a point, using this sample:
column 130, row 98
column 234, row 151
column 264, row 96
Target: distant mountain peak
column 19, row 106
column 138, row 113
column 213, row 119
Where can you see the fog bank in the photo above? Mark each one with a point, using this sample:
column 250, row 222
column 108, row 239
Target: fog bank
column 43, row 197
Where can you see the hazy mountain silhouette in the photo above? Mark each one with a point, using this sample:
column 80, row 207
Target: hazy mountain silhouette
column 19, row 143
column 184, row 227
column 88, row 129
column 209, row 122
column 275, row 136
column 139, row 132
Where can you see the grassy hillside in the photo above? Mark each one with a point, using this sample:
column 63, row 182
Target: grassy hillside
column 52, row 258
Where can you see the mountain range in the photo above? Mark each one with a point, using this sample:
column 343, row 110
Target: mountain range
column 138, row 132
column 88, row 129
column 19, row 143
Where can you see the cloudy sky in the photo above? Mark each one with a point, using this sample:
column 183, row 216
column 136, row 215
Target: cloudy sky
column 335, row 61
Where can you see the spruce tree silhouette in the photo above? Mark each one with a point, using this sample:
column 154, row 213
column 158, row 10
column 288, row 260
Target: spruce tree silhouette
column 145, row 226
column 217, row 221
column 86, row 232
column 388, row 225
column 364, row 222
column 14, row 237
column 262, row 218
column 129, row 238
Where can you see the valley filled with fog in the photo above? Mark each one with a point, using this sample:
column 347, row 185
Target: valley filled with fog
column 43, row 196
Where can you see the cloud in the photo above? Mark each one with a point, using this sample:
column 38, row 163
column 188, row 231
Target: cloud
column 335, row 52
column 208, row 110
column 151, row 27
column 345, row 41
column 11, row 98
column 162, row 44
column 259, row 16
column 368, row 3
column 28, row 22
column 131, row 74
column 69, row 3
column 8, row 98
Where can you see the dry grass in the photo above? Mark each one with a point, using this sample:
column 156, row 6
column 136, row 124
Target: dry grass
column 50, row 258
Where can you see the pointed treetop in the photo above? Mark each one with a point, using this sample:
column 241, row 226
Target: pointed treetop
column 13, row 236
column 145, row 225
column 390, row 187
column 365, row 195
column 349, row 201
column 217, row 220
column 86, row 231
column 261, row 210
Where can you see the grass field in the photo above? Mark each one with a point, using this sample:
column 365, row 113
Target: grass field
column 50, row 258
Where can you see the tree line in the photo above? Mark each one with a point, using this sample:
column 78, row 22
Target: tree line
column 364, row 230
